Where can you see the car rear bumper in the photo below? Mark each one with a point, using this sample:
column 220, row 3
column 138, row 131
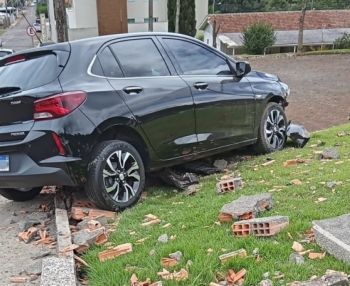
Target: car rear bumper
column 25, row 173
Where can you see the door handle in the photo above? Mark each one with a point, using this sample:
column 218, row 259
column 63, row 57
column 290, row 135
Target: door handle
column 201, row 85
column 133, row 90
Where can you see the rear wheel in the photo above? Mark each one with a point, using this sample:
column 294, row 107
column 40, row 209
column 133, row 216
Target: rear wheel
column 20, row 195
column 116, row 175
column 272, row 129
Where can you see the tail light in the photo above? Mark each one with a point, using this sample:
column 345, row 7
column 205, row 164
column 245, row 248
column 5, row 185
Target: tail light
column 58, row 144
column 58, row 105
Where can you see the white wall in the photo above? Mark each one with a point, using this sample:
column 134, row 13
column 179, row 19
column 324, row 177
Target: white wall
column 138, row 10
column 201, row 11
column 82, row 19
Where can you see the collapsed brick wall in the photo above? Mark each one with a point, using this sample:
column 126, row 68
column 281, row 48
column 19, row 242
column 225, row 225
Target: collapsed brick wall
column 282, row 21
column 112, row 17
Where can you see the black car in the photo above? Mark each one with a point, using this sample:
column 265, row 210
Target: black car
column 102, row 112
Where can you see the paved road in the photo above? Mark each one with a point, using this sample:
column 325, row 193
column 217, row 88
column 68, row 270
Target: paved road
column 16, row 37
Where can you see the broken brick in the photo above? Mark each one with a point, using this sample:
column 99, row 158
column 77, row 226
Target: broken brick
column 225, row 186
column 247, row 207
column 79, row 213
column 28, row 235
column 225, row 217
column 266, row 226
column 168, row 262
column 115, row 252
column 150, row 219
column 18, row 279
column 228, row 256
column 293, row 162
column 178, row 276
column 86, row 238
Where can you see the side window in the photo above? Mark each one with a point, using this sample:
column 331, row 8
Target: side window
column 106, row 65
column 140, row 58
column 196, row 60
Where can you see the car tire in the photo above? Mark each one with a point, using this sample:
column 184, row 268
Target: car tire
column 116, row 175
column 272, row 129
column 20, row 196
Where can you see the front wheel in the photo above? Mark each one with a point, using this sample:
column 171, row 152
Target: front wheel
column 272, row 129
column 18, row 195
column 116, row 175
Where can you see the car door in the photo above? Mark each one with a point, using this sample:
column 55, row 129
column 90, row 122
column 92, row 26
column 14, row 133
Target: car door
column 158, row 98
column 224, row 103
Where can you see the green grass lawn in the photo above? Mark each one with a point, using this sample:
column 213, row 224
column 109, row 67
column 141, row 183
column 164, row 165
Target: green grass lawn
column 193, row 220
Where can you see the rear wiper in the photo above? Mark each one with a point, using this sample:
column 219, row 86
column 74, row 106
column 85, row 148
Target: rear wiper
column 9, row 90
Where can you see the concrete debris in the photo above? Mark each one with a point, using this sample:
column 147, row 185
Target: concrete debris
column 265, row 226
column 192, row 190
column 333, row 235
column 163, row 238
column 331, row 185
column 330, row 154
column 246, row 207
column 87, row 222
column 86, row 238
column 331, row 278
column 115, row 252
column 296, row 258
column 179, row 180
column 220, row 164
column 176, row 255
column 266, row 282
column 242, row 253
column 134, row 281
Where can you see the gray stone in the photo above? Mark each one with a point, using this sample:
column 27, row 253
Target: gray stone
column 296, row 258
column 58, row 271
column 256, row 253
column 84, row 223
column 176, row 255
column 333, row 235
column 248, row 204
column 331, row 185
column 331, row 278
column 266, row 275
column 87, row 237
column 220, row 164
column 163, row 238
column 331, row 154
column 27, row 223
column 34, row 268
column 266, row 282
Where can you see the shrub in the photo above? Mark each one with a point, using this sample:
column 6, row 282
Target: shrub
column 343, row 42
column 258, row 37
column 42, row 9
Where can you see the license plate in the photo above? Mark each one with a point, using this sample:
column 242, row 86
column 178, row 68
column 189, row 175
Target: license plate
column 4, row 163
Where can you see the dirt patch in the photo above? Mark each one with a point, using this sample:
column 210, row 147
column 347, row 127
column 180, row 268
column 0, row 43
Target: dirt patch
column 320, row 87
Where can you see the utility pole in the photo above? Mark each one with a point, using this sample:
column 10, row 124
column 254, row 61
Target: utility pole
column 177, row 16
column 7, row 15
column 61, row 20
column 150, row 15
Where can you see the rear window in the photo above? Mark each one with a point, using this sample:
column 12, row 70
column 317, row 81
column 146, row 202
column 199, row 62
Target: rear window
column 29, row 74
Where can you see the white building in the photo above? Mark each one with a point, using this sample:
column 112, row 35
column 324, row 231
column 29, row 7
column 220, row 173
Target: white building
column 83, row 19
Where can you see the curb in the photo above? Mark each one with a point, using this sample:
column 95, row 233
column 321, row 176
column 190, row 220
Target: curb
column 60, row 271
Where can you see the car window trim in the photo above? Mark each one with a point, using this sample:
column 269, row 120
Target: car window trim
column 89, row 72
column 175, row 63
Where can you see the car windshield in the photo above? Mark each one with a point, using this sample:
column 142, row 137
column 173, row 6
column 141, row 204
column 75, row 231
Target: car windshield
column 29, row 74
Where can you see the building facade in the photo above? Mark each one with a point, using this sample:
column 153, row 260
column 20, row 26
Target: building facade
column 321, row 28
column 90, row 18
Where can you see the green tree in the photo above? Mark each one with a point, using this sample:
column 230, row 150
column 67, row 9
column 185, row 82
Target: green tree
column 187, row 23
column 258, row 37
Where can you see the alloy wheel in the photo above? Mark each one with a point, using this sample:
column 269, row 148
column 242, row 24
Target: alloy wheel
column 121, row 176
column 275, row 129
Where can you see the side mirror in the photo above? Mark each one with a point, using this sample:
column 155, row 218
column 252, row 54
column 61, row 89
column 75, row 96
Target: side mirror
column 242, row 68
